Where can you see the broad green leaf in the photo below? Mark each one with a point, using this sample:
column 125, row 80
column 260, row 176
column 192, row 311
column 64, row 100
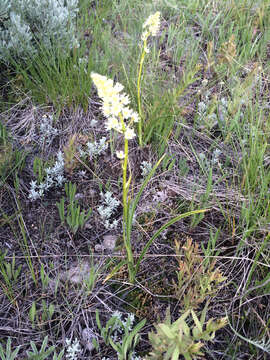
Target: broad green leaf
column 167, row 331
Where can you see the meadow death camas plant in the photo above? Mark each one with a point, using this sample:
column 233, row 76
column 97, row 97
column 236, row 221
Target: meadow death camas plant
column 121, row 118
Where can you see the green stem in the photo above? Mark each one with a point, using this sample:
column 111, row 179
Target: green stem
column 139, row 94
column 126, row 238
column 125, row 186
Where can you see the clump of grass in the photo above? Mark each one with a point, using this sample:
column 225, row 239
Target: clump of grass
column 11, row 160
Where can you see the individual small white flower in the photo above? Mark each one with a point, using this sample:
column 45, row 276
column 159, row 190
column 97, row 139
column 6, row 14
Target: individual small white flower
column 119, row 128
column 126, row 112
column 33, row 184
column 118, row 87
column 129, row 133
column 106, row 109
column 146, row 49
column 135, row 117
column 204, row 82
column 145, row 35
column 120, row 154
column 112, row 123
column 124, row 99
column 116, row 108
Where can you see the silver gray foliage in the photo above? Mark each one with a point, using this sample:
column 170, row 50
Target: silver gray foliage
column 25, row 24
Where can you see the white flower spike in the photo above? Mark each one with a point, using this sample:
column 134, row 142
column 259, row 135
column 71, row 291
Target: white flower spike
column 120, row 154
column 115, row 107
column 152, row 24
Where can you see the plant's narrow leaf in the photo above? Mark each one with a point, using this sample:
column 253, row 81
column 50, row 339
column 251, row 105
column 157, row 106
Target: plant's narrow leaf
column 168, row 224
column 115, row 270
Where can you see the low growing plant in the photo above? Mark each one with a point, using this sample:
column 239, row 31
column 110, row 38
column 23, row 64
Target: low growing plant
column 39, row 317
column 8, row 270
column 32, row 314
column 10, row 159
column 184, row 337
column 73, row 217
column 44, row 277
column 9, row 274
column 73, row 349
column 54, row 177
column 43, row 353
column 7, row 354
column 107, row 209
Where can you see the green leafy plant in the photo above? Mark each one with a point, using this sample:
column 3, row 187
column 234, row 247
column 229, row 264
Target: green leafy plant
column 32, row 314
column 120, row 334
column 171, row 340
column 10, row 159
column 210, row 250
column 74, row 217
column 93, row 275
column 44, row 277
column 41, row 316
column 47, row 311
column 6, row 354
column 39, row 167
column 43, row 354
column 9, row 274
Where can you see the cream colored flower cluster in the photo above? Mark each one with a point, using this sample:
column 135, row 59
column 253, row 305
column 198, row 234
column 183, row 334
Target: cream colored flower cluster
column 151, row 27
column 114, row 106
